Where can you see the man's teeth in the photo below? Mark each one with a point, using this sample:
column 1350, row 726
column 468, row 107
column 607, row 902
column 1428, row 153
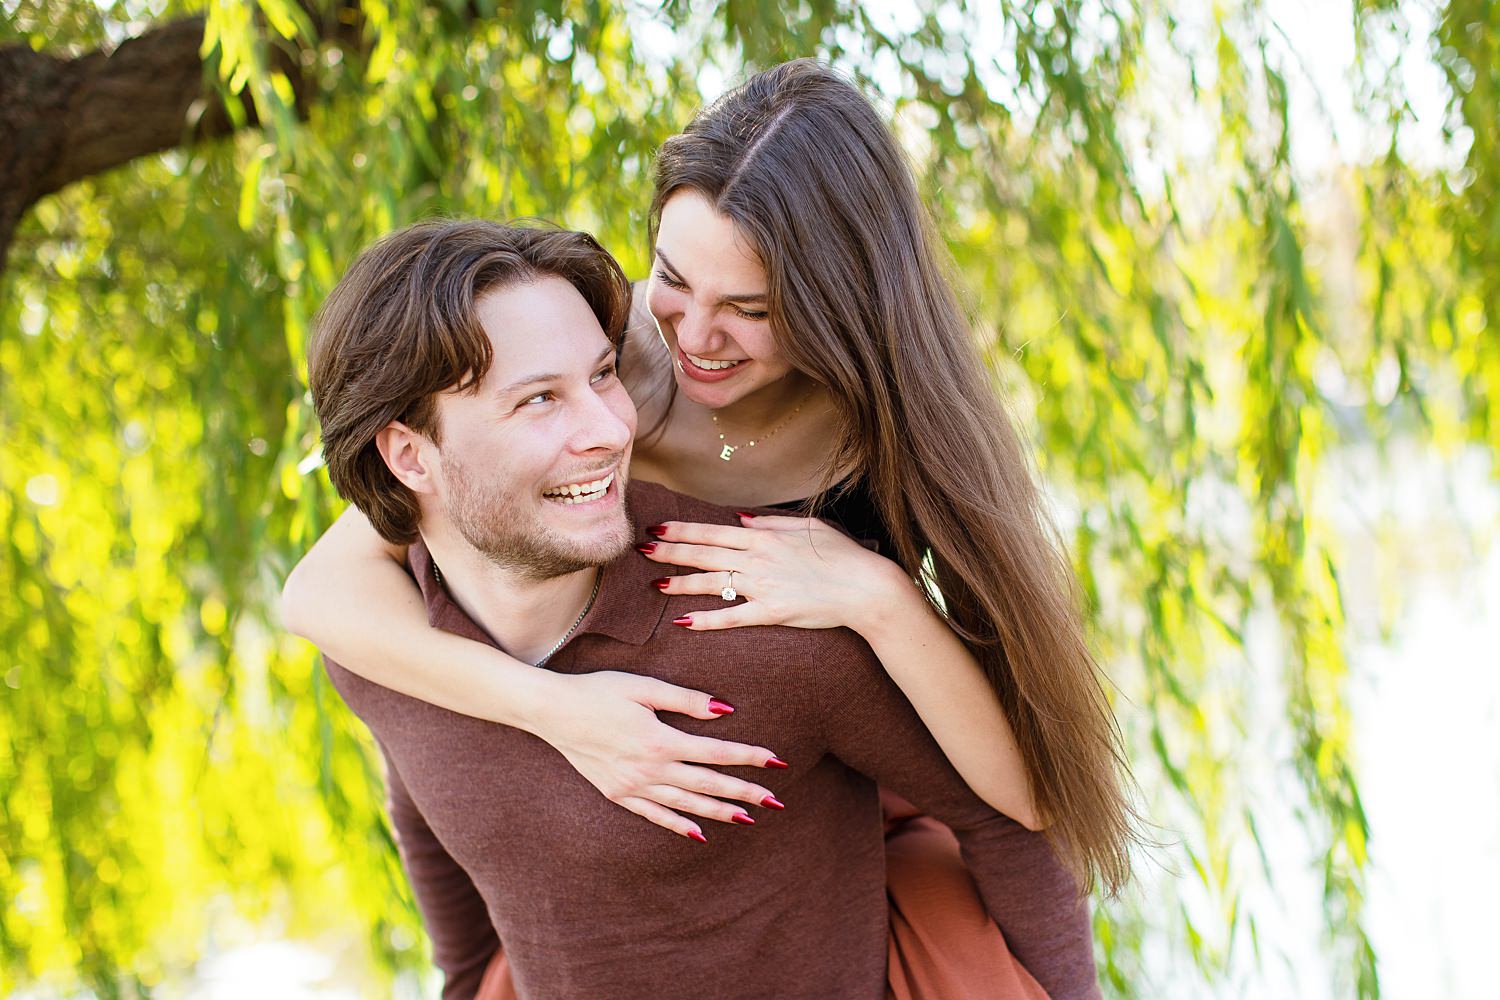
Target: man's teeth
column 580, row 492
column 708, row 365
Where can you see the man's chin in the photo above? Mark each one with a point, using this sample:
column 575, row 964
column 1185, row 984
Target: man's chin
column 607, row 543
column 570, row 546
column 547, row 538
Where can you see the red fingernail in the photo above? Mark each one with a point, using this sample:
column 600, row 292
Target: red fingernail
column 695, row 835
column 646, row 548
column 659, row 530
column 772, row 802
column 662, row 583
column 684, row 620
column 743, row 819
column 777, row 762
column 744, row 513
column 715, row 705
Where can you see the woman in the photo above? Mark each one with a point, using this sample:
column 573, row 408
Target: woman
column 803, row 342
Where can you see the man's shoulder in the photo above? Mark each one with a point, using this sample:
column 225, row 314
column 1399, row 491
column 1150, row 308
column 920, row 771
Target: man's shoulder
column 653, row 503
column 361, row 695
column 844, row 660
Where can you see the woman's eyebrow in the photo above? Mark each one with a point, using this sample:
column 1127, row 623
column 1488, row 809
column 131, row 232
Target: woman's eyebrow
column 742, row 297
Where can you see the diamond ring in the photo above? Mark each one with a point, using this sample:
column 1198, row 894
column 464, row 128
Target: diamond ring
column 729, row 593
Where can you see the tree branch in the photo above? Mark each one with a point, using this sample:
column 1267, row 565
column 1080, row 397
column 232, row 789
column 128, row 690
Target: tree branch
column 65, row 119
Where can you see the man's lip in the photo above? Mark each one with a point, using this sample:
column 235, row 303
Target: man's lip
column 697, row 374
column 592, row 477
column 609, row 496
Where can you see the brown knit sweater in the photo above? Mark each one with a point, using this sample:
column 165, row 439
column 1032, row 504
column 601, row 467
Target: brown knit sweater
column 504, row 841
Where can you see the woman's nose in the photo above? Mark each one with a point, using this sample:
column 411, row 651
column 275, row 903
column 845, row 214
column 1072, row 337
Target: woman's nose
column 695, row 330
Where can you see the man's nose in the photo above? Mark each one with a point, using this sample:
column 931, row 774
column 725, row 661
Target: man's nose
column 600, row 427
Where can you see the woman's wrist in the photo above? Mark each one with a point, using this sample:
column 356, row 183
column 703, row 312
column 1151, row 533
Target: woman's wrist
column 517, row 694
column 892, row 598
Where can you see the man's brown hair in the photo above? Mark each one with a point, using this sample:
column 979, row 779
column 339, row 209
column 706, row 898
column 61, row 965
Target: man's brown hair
column 401, row 327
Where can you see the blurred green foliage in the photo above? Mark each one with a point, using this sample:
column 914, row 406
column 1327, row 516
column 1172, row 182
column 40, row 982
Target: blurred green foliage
column 1188, row 320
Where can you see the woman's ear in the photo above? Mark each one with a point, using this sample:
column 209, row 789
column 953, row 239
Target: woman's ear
column 408, row 456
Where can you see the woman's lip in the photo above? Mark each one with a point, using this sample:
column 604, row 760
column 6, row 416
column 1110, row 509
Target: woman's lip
column 699, row 375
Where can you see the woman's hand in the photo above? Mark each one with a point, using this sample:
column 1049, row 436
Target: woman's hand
column 794, row 571
column 801, row 572
column 605, row 724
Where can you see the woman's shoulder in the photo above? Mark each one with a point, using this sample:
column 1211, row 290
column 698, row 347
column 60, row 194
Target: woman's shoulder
column 851, row 505
column 644, row 367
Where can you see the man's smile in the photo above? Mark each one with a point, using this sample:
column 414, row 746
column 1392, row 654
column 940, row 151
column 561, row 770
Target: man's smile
column 582, row 492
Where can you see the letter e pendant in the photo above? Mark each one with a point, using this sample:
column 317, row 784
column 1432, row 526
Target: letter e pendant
column 727, row 453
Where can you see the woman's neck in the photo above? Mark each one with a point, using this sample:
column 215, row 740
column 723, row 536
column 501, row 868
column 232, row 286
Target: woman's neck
column 769, row 407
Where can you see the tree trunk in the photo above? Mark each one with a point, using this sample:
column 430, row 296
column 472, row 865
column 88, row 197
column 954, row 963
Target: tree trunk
column 65, row 119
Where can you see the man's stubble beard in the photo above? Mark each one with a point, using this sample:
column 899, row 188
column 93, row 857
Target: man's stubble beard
column 485, row 515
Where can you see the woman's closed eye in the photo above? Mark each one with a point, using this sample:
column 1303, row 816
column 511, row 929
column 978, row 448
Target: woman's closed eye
column 681, row 286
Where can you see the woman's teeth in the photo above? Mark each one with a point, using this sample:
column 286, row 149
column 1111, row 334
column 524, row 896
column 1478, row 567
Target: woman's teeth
column 709, row 365
column 580, row 492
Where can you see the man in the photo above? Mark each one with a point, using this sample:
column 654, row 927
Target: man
column 463, row 374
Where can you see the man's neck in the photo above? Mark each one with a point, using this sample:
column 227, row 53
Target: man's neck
column 525, row 616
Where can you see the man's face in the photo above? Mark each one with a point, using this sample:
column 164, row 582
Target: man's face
column 533, row 465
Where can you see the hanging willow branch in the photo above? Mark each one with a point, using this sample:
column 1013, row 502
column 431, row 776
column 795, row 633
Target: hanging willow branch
column 168, row 749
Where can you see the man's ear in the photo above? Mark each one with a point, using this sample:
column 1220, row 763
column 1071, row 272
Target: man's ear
column 408, row 455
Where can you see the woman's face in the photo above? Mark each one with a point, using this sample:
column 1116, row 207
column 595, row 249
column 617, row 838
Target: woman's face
column 708, row 294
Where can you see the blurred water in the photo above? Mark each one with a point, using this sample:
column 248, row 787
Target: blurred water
column 1414, row 535
column 1427, row 708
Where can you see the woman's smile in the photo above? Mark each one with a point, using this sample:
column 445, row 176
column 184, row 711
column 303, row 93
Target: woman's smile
column 709, row 369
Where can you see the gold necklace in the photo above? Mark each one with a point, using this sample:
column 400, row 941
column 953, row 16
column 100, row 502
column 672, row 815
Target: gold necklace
column 728, row 450
column 437, row 575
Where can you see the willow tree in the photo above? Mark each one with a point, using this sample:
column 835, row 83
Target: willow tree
column 175, row 765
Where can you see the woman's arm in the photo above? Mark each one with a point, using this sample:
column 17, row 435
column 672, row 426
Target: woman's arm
column 351, row 596
column 945, row 684
column 801, row 572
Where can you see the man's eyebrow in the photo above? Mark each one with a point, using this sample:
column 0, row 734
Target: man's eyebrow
column 745, row 297
column 542, row 378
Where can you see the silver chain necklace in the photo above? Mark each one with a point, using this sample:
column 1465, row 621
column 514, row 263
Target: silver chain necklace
column 437, row 575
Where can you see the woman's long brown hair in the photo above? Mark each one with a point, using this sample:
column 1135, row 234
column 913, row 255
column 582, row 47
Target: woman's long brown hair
column 860, row 301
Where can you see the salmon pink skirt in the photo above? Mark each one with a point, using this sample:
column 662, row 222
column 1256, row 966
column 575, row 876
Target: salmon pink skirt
column 943, row 944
